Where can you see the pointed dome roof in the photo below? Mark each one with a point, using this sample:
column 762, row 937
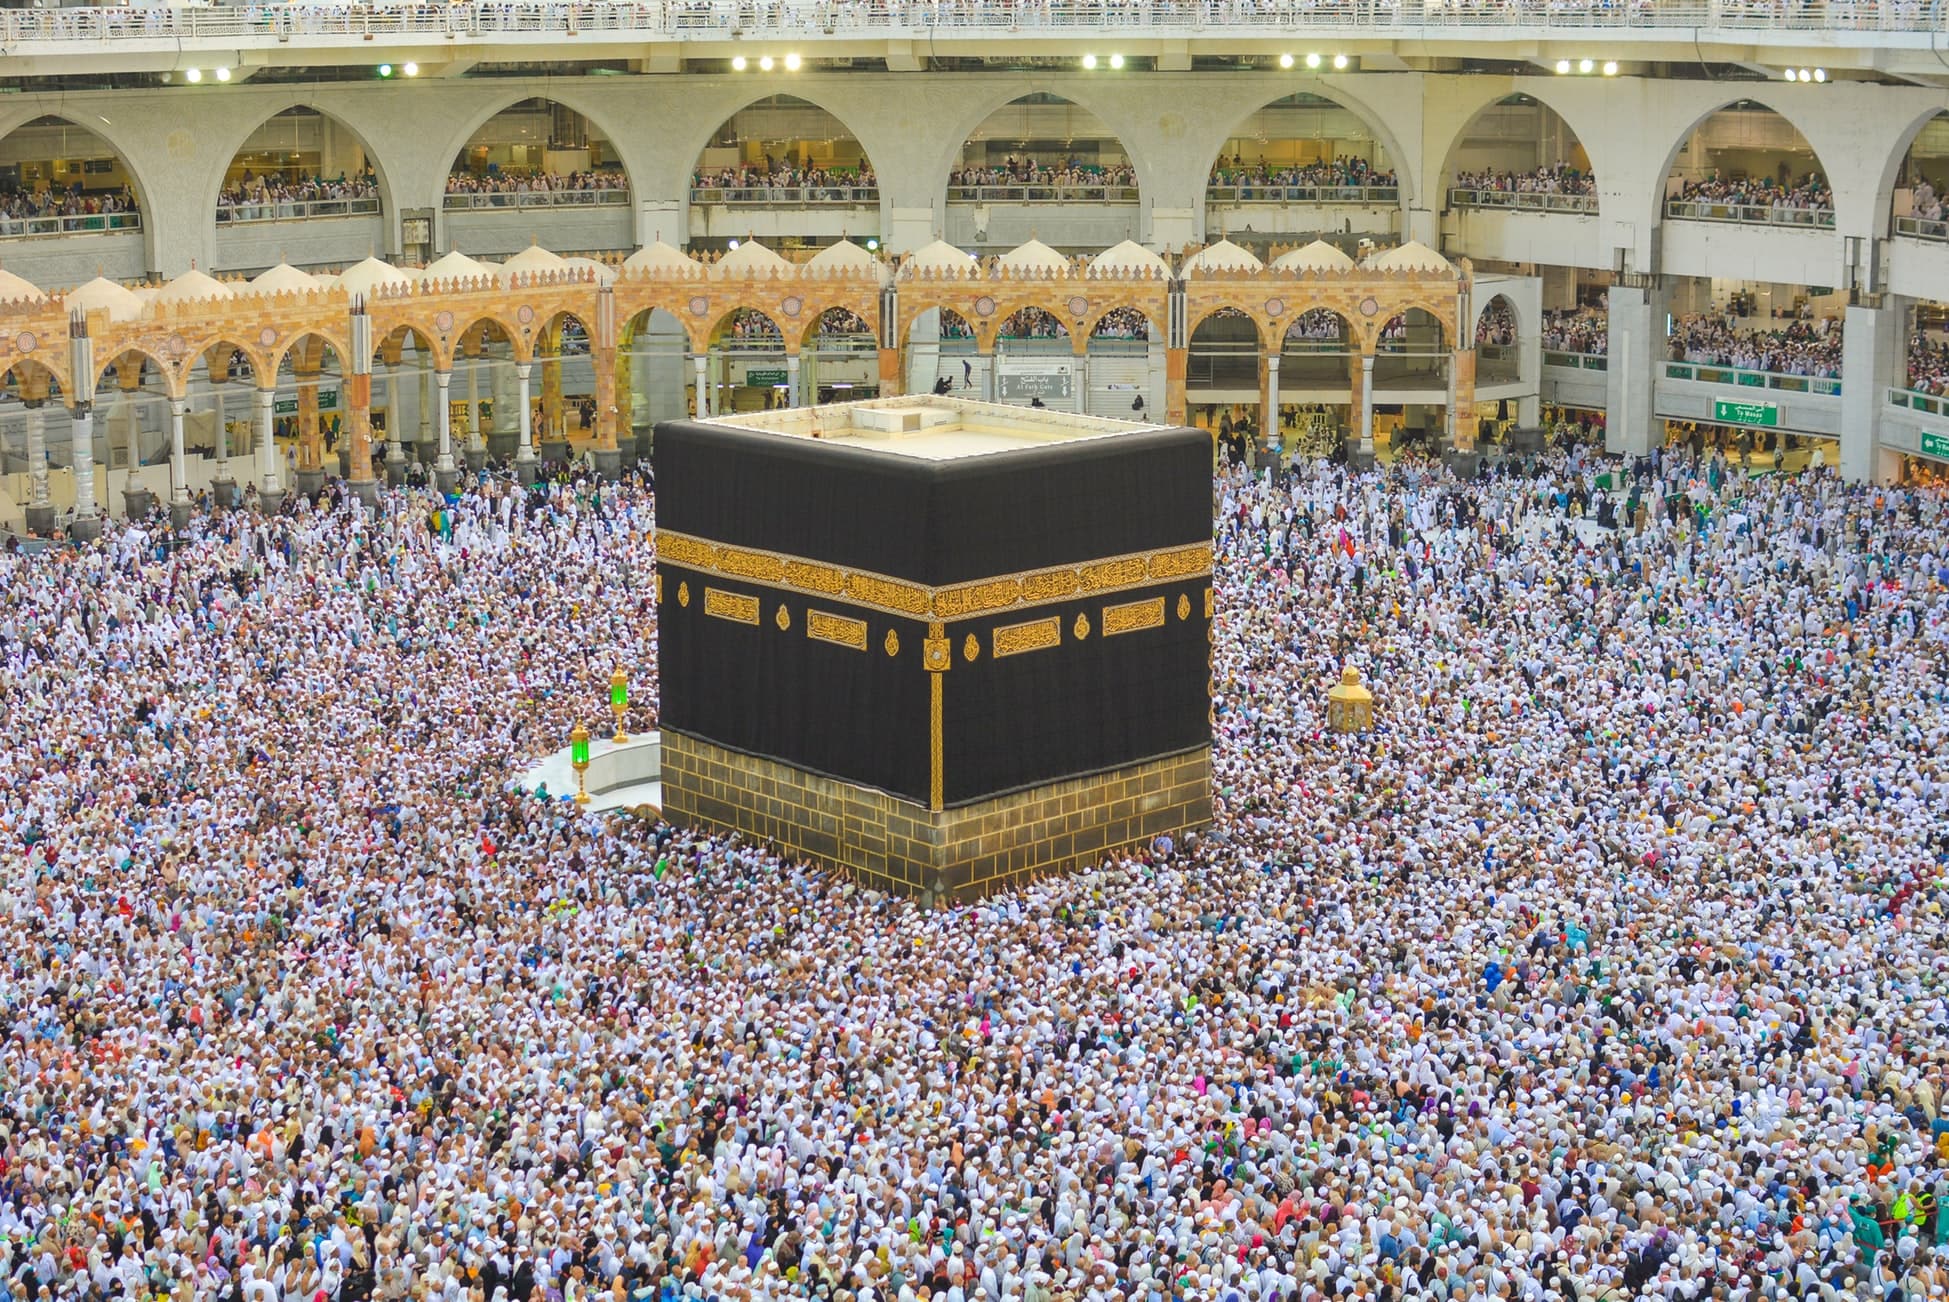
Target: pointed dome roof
column 284, row 279
column 750, row 259
column 191, row 287
column 122, row 305
column 1412, row 256
column 939, row 254
column 660, row 257
column 1129, row 256
column 456, row 266
column 364, row 277
column 13, row 289
column 844, row 254
column 1034, row 256
column 1317, row 256
column 531, row 261
column 605, row 274
column 1217, row 259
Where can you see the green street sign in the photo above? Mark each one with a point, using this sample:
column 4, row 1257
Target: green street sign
column 327, row 401
column 1935, row 445
column 758, row 379
column 1746, row 413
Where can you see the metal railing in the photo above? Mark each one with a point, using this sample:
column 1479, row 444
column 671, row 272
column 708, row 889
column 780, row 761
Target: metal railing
column 1522, row 201
column 1922, row 228
column 1576, row 361
column 101, row 223
column 786, row 195
column 1254, row 192
column 291, row 210
column 810, row 20
column 537, row 199
column 1042, row 194
column 1757, row 214
column 1929, row 404
column 1705, row 373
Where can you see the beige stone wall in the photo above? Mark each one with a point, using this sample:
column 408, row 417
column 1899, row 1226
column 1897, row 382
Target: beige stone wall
column 898, row 845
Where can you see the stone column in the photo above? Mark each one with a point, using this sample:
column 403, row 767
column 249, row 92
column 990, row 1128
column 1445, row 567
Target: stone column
column 1874, row 359
column 270, row 493
column 428, row 430
column 358, row 412
column 179, row 500
column 501, row 444
column 40, row 506
column 703, row 403
column 526, row 466
column 1177, row 369
column 87, row 522
column 792, row 398
column 990, row 382
column 554, row 423
column 1362, row 454
column 1270, row 418
column 224, row 487
column 388, row 403
column 311, row 443
column 445, row 476
column 1636, row 347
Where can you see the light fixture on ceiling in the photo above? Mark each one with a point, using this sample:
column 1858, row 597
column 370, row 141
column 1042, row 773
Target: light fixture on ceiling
column 738, row 63
column 193, row 76
column 765, row 63
column 1089, row 61
column 1285, row 60
column 1312, row 60
column 1339, row 63
column 792, row 63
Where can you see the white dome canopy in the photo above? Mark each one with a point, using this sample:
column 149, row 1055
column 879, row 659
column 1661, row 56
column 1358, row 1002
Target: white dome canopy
column 1129, row 256
column 843, row 254
column 364, row 277
column 531, row 261
column 13, row 289
column 660, row 257
column 750, row 259
column 457, row 266
column 939, row 255
column 284, row 279
column 193, row 286
column 604, row 274
column 120, row 303
column 1034, row 256
column 1412, row 256
column 1219, row 258
column 1317, row 256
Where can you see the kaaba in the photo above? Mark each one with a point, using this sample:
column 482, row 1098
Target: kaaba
column 948, row 645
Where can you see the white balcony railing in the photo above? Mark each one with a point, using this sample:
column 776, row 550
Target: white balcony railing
column 496, row 199
column 1757, row 214
column 1257, row 192
column 787, row 196
column 1576, row 361
column 293, row 210
column 1929, row 404
column 845, row 19
column 1739, row 377
column 1922, row 228
column 1042, row 194
column 27, row 228
column 1520, row 201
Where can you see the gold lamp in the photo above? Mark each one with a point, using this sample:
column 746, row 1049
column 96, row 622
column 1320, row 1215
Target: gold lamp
column 619, row 702
column 578, row 756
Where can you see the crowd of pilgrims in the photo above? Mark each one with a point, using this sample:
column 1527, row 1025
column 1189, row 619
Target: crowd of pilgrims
column 1339, row 173
column 255, row 191
column 1559, row 178
column 1802, row 347
column 783, row 176
column 19, row 205
column 1607, row 966
column 503, row 181
column 1026, row 171
column 1577, row 330
column 1784, row 201
column 1928, row 363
